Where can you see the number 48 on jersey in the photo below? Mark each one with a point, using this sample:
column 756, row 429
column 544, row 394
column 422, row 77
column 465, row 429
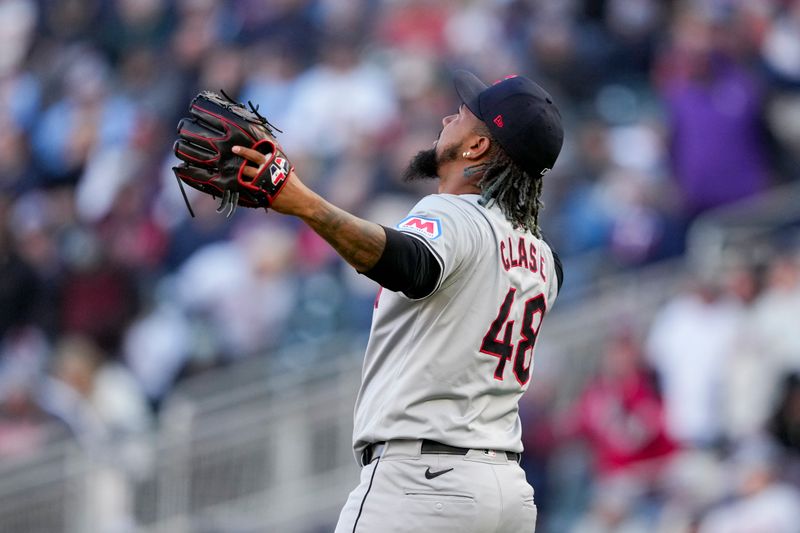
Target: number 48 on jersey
column 533, row 310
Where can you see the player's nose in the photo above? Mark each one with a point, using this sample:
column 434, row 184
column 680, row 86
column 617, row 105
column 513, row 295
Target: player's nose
column 448, row 119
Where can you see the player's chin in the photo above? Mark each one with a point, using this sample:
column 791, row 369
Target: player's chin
column 423, row 166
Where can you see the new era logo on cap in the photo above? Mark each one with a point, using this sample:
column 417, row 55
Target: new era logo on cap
column 498, row 120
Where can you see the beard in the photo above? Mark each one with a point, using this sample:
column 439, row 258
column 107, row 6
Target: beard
column 425, row 164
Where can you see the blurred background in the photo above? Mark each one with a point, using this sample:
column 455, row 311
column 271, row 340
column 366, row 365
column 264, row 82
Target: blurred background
column 163, row 373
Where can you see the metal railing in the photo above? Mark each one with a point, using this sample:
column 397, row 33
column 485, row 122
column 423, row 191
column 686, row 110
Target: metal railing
column 750, row 227
column 282, row 465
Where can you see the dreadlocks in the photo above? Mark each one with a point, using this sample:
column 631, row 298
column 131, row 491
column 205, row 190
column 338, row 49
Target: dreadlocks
column 517, row 193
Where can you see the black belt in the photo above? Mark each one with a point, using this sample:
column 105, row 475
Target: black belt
column 428, row 447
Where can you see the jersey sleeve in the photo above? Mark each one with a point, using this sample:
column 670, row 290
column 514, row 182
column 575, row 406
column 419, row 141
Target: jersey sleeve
column 406, row 265
column 446, row 229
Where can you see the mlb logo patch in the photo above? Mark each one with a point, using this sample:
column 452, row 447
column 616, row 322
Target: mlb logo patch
column 430, row 228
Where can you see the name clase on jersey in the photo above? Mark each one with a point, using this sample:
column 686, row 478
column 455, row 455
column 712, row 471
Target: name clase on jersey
column 523, row 255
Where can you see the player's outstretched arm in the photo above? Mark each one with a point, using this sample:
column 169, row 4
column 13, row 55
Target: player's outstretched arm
column 359, row 242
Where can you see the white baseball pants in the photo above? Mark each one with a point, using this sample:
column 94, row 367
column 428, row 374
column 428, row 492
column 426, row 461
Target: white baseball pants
column 407, row 491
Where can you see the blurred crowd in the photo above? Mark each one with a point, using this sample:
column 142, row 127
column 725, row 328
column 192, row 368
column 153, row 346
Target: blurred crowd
column 110, row 293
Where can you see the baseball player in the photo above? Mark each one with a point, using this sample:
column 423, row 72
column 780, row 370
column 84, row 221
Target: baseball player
column 468, row 281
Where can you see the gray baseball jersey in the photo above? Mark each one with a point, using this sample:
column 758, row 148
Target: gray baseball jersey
column 451, row 367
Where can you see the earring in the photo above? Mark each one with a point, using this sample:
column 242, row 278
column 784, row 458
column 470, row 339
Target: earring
column 464, row 154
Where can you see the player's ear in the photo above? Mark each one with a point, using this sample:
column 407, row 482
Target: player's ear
column 478, row 145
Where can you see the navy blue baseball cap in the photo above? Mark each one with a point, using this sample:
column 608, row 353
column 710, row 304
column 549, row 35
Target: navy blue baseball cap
column 519, row 114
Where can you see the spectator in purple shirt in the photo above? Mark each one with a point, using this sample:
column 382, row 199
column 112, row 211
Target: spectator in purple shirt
column 714, row 111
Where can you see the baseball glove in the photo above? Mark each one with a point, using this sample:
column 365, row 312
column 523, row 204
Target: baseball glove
column 216, row 123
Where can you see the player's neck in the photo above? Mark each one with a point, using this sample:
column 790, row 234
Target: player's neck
column 453, row 179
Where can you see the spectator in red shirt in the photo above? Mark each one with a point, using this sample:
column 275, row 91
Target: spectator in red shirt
column 620, row 412
column 620, row 416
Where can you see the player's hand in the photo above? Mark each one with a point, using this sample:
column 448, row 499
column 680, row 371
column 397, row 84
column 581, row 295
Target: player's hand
column 293, row 196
